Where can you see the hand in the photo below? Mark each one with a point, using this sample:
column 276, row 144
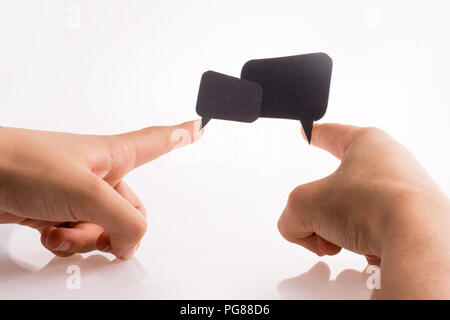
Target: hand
column 70, row 187
column 379, row 202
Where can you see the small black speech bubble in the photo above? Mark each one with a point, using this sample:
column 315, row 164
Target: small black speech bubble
column 228, row 98
column 294, row 87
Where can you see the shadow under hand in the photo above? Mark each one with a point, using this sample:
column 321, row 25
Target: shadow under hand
column 316, row 284
column 94, row 277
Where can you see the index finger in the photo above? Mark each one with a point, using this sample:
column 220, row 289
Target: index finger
column 152, row 142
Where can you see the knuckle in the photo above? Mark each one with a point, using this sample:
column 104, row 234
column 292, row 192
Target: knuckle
column 372, row 132
column 283, row 223
column 139, row 228
column 372, row 136
column 282, row 226
column 294, row 196
column 143, row 228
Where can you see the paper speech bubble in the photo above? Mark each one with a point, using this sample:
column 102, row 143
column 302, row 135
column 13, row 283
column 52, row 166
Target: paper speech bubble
column 293, row 87
column 228, row 98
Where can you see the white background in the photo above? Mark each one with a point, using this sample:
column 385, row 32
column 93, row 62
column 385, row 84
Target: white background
column 213, row 207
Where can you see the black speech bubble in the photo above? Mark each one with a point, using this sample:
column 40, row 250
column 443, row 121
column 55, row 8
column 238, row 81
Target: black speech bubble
column 294, row 87
column 228, row 98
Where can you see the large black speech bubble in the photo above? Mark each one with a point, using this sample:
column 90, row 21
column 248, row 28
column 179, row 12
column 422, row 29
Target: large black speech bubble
column 228, row 98
column 294, row 87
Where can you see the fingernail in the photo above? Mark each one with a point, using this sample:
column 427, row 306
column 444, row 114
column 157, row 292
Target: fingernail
column 107, row 248
column 63, row 246
column 129, row 253
column 198, row 127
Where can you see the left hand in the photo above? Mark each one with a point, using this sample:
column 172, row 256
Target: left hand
column 70, row 187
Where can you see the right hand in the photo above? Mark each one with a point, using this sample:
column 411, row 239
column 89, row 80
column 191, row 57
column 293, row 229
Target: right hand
column 378, row 193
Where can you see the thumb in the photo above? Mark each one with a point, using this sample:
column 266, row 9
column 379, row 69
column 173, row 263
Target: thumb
column 332, row 137
column 123, row 222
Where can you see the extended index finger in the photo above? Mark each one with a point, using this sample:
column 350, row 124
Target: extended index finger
column 152, row 142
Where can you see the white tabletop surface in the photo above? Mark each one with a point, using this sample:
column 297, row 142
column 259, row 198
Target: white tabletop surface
column 111, row 66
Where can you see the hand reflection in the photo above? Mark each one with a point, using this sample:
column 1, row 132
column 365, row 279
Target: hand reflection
column 99, row 278
column 316, row 284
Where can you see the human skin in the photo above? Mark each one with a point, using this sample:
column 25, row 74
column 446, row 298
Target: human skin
column 70, row 187
column 381, row 203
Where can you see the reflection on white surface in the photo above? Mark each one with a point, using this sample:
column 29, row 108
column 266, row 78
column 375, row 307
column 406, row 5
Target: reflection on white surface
column 28, row 271
column 97, row 276
column 316, row 284
column 98, row 279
